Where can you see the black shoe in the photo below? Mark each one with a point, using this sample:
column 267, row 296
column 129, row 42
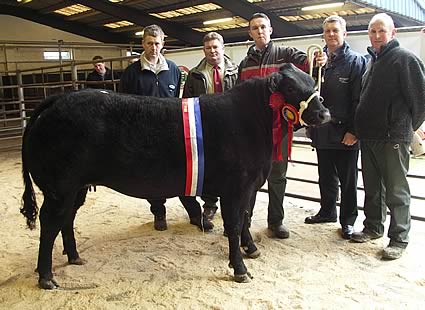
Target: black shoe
column 315, row 219
column 160, row 222
column 279, row 231
column 209, row 212
column 347, row 231
column 364, row 236
column 205, row 225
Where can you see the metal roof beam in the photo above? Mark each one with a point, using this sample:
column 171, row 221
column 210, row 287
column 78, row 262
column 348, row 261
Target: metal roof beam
column 245, row 9
column 143, row 19
column 61, row 24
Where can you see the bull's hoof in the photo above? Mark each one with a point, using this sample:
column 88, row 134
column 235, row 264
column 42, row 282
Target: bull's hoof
column 48, row 284
column 76, row 261
column 243, row 278
column 251, row 251
column 160, row 223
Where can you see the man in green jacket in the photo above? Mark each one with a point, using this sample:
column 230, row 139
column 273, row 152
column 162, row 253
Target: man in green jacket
column 203, row 80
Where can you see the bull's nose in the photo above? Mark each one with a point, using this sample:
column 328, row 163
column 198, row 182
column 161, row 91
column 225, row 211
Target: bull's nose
column 324, row 116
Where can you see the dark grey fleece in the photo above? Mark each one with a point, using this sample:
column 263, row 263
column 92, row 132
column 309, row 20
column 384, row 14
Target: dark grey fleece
column 392, row 99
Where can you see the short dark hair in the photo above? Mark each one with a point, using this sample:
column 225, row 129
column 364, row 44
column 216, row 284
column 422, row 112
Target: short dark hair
column 97, row 57
column 153, row 31
column 259, row 15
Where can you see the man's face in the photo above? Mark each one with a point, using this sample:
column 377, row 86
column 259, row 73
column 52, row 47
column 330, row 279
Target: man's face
column 100, row 67
column 380, row 34
column 152, row 46
column 260, row 31
column 334, row 35
column 214, row 51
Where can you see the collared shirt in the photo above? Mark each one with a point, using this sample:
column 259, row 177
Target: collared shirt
column 210, row 77
column 161, row 65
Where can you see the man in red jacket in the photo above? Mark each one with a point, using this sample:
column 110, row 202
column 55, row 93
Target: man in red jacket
column 263, row 58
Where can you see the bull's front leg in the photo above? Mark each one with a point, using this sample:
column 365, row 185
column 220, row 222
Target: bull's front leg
column 232, row 224
column 247, row 243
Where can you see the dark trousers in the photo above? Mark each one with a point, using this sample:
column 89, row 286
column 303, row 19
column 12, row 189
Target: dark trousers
column 384, row 167
column 191, row 205
column 276, row 186
column 338, row 166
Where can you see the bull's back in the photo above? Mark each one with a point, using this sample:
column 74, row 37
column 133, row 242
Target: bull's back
column 94, row 137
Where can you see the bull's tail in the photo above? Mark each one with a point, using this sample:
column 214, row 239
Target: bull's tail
column 29, row 204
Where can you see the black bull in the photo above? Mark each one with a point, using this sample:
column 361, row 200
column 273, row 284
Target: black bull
column 135, row 146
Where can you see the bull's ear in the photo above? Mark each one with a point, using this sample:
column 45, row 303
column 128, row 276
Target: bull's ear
column 273, row 81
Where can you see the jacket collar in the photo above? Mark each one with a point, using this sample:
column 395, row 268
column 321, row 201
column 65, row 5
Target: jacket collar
column 339, row 52
column 161, row 65
column 229, row 66
column 385, row 49
column 254, row 53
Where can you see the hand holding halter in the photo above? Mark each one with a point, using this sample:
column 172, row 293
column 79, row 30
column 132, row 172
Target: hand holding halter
column 311, row 52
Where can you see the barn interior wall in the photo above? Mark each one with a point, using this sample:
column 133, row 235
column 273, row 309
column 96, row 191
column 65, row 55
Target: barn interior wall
column 17, row 52
column 16, row 29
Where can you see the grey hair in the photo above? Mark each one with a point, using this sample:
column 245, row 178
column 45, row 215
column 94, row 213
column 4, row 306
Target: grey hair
column 153, row 31
column 335, row 19
column 213, row 36
column 383, row 17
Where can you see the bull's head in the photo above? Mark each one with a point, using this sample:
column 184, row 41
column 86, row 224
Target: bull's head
column 298, row 90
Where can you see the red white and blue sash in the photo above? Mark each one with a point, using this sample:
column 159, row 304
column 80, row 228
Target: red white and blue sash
column 194, row 146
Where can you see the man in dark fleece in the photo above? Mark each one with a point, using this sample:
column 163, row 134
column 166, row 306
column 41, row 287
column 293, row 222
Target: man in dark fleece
column 391, row 108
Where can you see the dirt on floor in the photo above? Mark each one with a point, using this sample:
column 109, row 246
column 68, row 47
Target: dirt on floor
column 132, row 266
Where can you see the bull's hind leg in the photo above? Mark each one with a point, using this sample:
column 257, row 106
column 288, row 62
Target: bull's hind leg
column 53, row 214
column 232, row 214
column 68, row 238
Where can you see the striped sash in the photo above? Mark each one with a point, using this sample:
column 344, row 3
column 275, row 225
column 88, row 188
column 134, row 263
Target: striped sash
column 194, row 146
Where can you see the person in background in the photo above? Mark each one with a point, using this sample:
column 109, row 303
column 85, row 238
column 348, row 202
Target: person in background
column 391, row 108
column 335, row 142
column 263, row 58
column 215, row 73
column 100, row 73
column 153, row 75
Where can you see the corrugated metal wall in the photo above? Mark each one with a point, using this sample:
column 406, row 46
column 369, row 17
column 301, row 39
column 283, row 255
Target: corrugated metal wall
column 410, row 8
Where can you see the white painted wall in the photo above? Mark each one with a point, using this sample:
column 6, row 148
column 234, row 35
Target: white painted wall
column 18, row 29
column 413, row 40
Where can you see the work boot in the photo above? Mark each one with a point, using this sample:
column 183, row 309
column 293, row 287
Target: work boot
column 392, row 252
column 279, row 231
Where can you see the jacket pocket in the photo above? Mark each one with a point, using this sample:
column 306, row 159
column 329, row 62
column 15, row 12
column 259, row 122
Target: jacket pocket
column 336, row 132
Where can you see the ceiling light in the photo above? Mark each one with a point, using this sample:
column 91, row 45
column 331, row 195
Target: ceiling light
column 217, row 21
column 322, row 6
column 139, row 33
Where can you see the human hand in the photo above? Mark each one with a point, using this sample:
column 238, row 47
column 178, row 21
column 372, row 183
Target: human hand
column 349, row 139
column 321, row 59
